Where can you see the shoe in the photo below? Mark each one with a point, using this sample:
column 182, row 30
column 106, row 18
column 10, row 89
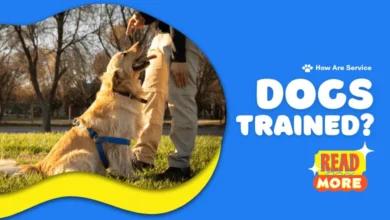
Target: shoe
column 139, row 165
column 174, row 174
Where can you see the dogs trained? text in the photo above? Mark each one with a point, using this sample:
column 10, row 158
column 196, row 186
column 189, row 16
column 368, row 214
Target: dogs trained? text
column 270, row 95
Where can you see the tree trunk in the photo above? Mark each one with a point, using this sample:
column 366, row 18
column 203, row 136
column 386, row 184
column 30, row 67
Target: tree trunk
column 1, row 113
column 46, row 117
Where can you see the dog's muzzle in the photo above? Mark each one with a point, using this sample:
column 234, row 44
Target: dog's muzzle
column 142, row 63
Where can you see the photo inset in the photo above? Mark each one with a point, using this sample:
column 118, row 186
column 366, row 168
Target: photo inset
column 107, row 90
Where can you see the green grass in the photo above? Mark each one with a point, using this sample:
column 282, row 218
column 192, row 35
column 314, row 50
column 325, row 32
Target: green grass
column 32, row 147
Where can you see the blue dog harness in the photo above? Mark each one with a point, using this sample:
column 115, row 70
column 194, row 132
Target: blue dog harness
column 99, row 140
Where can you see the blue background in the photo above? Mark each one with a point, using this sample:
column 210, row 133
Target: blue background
column 265, row 177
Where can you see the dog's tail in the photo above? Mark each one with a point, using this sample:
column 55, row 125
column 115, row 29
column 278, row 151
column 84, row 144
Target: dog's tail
column 11, row 168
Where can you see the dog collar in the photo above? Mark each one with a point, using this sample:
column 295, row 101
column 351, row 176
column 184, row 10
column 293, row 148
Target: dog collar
column 132, row 96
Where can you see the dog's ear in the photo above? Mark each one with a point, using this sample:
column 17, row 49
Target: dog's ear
column 116, row 77
column 112, row 79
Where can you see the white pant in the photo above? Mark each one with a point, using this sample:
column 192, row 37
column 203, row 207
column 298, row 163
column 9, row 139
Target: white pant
column 160, row 87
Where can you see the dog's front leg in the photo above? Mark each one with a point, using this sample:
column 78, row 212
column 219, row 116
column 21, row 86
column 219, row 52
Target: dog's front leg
column 123, row 170
column 120, row 162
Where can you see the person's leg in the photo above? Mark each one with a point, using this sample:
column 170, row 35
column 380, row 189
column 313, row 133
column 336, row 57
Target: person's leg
column 146, row 147
column 155, row 87
column 184, row 127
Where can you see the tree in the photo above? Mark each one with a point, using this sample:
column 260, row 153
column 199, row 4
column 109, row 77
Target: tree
column 100, row 63
column 112, row 28
column 209, row 88
column 112, row 35
column 62, row 58
column 79, row 87
column 10, row 74
column 29, row 38
column 9, row 81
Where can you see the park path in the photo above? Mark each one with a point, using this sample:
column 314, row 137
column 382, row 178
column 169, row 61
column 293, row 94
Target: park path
column 202, row 130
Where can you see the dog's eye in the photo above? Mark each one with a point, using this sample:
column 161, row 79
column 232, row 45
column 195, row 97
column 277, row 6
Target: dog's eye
column 124, row 54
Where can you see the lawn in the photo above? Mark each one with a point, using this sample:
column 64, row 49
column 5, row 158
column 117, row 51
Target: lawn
column 32, row 147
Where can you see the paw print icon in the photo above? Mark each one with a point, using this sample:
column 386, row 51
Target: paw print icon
column 307, row 68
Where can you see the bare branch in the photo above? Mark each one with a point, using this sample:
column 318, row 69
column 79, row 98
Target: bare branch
column 62, row 72
column 109, row 14
column 80, row 39
column 75, row 32
column 104, row 48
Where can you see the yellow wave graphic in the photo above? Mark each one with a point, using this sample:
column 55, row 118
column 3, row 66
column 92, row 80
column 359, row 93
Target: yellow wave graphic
column 108, row 191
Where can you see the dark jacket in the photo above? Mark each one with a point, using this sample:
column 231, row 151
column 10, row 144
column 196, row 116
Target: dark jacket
column 179, row 40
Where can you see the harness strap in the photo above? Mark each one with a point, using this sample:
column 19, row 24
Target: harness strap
column 99, row 144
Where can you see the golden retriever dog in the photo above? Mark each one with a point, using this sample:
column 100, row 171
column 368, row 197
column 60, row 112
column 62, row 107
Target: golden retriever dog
column 116, row 112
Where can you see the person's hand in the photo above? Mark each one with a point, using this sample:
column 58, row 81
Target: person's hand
column 136, row 21
column 179, row 72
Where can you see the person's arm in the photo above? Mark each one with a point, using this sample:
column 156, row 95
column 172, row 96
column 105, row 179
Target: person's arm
column 138, row 20
column 179, row 68
column 148, row 18
column 179, row 40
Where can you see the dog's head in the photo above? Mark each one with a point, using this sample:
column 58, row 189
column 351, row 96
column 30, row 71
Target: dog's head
column 124, row 69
